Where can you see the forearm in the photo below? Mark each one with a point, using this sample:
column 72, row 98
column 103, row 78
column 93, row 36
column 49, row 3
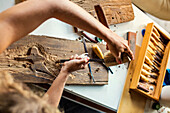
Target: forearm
column 55, row 91
column 73, row 14
column 18, row 21
column 25, row 17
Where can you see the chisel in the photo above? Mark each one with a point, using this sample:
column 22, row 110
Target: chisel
column 157, row 36
column 150, row 63
column 151, row 51
column 89, row 66
column 156, row 31
column 90, row 60
column 142, row 88
column 147, row 73
column 84, row 34
column 99, row 53
column 157, row 43
column 155, row 48
column 153, row 58
column 145, row 79
column 157, row 40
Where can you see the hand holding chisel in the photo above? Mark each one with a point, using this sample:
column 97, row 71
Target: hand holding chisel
column 90, row 60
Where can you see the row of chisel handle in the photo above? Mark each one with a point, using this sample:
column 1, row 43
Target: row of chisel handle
column 152, row 63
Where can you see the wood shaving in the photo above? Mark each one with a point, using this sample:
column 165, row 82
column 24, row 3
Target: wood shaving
column 72, row 76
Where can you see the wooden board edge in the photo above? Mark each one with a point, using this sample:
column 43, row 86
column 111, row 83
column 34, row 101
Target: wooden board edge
column 162, row 72
column 142, row 54
column 126, row 93
column 162, row 33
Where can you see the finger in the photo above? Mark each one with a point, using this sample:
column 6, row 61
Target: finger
column 82, row 66
column 78, row 57
column 107, row 48
column 81, row 61
column 125, row 41
column 130, row 53
column 75, row 56
column 65, row 63
column 72, row 57
column 84, row 55
column 118, row 59
column 87, row 60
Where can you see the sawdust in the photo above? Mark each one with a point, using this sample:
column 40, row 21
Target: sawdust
column 72, row 76
column 23, row 51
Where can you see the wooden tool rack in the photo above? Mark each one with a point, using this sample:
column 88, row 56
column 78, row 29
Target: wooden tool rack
column 151, row 65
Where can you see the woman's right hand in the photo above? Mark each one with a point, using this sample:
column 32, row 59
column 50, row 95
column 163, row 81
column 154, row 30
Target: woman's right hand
column 117, row 45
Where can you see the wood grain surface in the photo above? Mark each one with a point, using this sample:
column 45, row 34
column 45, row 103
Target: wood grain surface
column 45, row 71
column 116, row 11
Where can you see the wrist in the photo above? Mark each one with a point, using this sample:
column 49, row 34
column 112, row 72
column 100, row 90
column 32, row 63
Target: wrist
column 108, row 36
column 64, row 70
column 62, row 77
column 64, row 73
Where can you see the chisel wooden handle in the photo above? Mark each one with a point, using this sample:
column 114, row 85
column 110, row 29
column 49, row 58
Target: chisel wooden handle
column 98, row 51
column 143, row 88
column 144, row 78
column 156, row 31
column 146, row 67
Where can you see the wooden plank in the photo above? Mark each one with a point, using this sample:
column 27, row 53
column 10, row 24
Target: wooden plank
column 51, row 49
column 140, row 62
column 131, row 102
column 116, row 11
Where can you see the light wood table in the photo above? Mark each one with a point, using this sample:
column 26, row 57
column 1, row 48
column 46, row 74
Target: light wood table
column 131, row 102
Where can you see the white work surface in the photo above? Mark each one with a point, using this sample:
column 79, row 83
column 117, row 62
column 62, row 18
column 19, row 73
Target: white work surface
column 107, row 95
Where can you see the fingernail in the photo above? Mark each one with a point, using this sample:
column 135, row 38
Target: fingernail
column 119, row 62
column 87, row 59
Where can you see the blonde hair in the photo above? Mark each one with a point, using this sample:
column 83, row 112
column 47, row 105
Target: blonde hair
column 15, row 99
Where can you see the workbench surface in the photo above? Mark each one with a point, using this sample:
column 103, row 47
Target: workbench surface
column 107, row 95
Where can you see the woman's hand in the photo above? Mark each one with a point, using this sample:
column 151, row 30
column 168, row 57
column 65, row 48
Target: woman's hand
column 55, row 91
column 76, row 62
column 117, row 46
